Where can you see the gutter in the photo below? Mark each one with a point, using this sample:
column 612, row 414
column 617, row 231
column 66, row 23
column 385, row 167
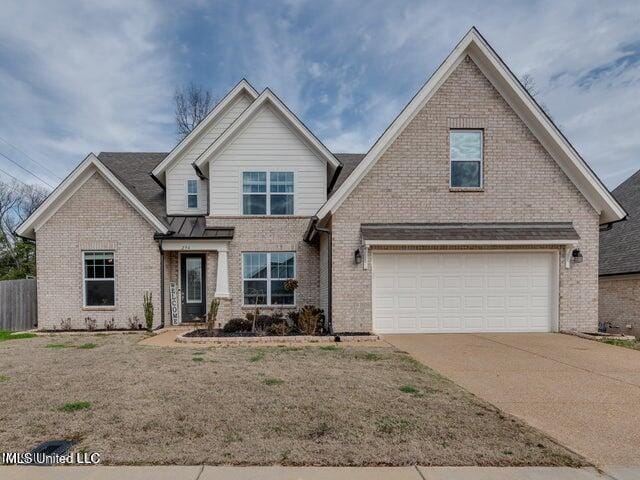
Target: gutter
column 605, row 227
column 310, row 229
column 161, row 283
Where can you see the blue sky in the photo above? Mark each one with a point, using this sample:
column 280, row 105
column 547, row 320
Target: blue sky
column 100, row 76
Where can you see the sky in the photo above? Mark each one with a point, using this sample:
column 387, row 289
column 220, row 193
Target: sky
column 80, row 77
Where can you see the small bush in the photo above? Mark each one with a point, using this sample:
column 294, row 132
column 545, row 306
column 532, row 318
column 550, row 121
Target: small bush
column 148, row 310
column 75, row 406
column 310, row 320
column 279, row 329
column 237, row 325
column 65, row 324
column 134, row 323
column 110, row 324
column 90, row 323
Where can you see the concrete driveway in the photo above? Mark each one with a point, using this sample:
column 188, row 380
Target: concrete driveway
column 583, row 393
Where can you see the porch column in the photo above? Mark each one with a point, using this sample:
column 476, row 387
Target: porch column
column 222, row 280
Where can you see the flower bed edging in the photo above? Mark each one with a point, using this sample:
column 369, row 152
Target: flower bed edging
column 271, row 340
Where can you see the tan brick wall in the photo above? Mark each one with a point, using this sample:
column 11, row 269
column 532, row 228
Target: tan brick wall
column 619, row 305
column 96, row 217
column 410, row 183
column 279, row 234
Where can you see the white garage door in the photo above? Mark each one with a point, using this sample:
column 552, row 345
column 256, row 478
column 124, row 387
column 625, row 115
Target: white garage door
column 464, row 292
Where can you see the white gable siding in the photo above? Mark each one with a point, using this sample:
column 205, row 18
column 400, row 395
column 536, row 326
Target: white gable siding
column 182, row 170
column 267, row 144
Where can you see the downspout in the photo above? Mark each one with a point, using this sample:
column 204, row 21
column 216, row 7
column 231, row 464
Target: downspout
column 326, row 231
column 161, row 283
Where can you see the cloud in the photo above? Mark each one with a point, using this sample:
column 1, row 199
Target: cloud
column 82, row 77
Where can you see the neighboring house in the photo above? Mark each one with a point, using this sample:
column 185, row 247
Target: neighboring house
column 619, row 302
column 470, row 213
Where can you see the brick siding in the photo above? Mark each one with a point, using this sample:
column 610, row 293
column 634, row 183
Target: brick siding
column 96, row 217
column 410, row 183
column 619, row 304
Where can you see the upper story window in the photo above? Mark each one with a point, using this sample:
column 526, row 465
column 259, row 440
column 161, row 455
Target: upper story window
column 99, row 279
column 465, row 149
column 270, row 192
column 192, row 193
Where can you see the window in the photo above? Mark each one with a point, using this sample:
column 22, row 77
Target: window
column 258, row 200
column 192, row 193
column 264, row 275
column 466, row 158
column 281, row 193
column 99, row 279
column 193, row 266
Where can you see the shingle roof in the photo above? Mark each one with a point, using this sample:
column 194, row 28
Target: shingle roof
column 469, row 231
column 349, row 162
column 620, row 246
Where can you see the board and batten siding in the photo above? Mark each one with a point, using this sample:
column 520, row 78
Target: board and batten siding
column 182, row 170
column 267, row 144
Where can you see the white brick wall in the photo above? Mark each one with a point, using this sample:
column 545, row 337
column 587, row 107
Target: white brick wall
column 410, row 183
column 96, row 217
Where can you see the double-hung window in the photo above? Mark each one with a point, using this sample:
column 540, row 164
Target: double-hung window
column 99, row 279
column 267, row 193
column 264, row 275
column 192, row 193
column 465, row 148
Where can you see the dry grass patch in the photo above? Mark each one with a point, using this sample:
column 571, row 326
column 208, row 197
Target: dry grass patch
column 279, row 405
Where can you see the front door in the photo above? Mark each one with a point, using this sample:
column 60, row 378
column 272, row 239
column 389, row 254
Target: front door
column 192, row 266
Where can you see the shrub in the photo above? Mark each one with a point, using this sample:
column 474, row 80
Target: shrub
column 90, row 323
column 212, row 316
column 110, row 324
column 310, row 320
column 148, row 309
column 237, row 325
column 263, row 322
column 65, row 324
column 134, row 323
column 280, row 329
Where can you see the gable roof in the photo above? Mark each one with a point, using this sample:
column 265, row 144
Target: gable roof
column 242, row 87
column 89, row 166
column 492, row 66
column 349, row 163
column 267, row 97
column 620, row 245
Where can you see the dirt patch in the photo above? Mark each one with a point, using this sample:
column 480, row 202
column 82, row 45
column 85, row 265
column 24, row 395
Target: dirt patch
column 278, row 405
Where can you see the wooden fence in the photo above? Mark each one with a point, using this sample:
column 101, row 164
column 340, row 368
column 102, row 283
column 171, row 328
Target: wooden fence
column 18, row 304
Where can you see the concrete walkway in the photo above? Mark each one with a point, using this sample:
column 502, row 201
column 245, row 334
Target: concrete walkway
column 308, row 473
column 583, row 393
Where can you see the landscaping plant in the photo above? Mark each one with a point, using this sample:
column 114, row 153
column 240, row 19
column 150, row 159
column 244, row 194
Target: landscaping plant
column 110, row 324
column 148, row 309
column 309, row 320
column 90, row 323
column 65, row 324
column 212, row 316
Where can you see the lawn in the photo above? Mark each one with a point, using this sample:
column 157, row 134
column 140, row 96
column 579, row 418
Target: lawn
column 634, row 344
column 365, row 405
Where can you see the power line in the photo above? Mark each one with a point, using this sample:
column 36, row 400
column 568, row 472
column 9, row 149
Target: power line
column 26, row 170
column 16, row 179
column 29, row 157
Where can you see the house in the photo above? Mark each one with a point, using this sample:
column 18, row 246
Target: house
column 619, row 304
column 470, row 213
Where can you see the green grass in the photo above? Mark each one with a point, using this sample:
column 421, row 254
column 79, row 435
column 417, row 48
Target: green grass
column 409, row 389
column 328, row 348
column 257, row 357
column 87, row 346
column 198, row 359
column 273, row 381
column 75, row 406
column 58, row 345
column 6, row 335
column 634, row 344
column 3, row 378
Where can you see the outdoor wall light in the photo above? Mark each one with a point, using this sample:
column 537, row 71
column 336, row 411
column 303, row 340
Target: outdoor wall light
column 577, row 256
column 357, row 256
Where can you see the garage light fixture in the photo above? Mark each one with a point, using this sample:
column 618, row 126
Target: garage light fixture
column 577, row 256
column 357, row 256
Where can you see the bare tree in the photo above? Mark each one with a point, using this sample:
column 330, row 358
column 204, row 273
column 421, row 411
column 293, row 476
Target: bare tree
column 193, row 103
column 529, row 83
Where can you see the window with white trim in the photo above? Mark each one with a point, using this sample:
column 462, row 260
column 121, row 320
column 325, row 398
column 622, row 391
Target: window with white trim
column 267, row 193
column 99, row 279
column 465, row 149
column 192, row 193
column 264, row 275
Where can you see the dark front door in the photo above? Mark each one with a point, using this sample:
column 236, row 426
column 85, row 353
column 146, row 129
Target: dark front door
column 192, row 266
